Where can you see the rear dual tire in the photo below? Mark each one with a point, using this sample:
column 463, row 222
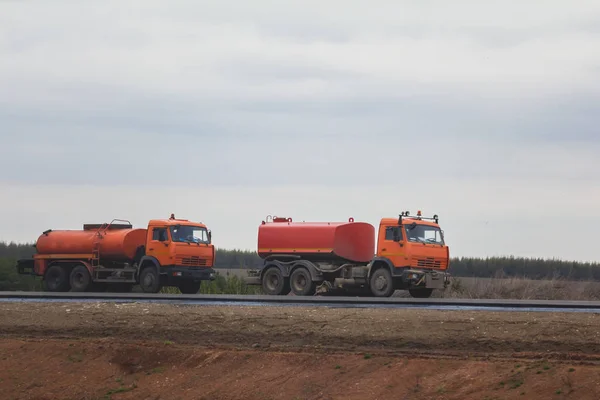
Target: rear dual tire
column 56, row 279
column 80, row 279
column 274, row 283
column 301, row 282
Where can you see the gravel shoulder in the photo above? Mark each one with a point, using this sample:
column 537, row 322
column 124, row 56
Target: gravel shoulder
column 92, row 351
column 410, row 331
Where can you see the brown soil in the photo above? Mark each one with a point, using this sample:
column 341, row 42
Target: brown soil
column 151, row 351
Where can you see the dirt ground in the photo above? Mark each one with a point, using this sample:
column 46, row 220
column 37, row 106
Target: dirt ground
column 154, row 351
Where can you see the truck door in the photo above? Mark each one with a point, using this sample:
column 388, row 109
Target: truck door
column 159, row 245
column 392, row 246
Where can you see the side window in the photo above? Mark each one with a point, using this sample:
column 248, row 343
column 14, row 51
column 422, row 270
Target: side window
column 389, row 233
column 392, row 232
column 159, row 234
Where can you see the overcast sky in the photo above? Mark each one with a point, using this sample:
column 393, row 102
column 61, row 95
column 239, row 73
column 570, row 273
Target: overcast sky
column 486, row 113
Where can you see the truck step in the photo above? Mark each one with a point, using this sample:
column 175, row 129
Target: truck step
column 115, row 280
column 114, row 275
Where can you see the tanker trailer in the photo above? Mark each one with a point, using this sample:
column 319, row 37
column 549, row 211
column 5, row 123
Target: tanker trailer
column 115, row 256
column 306, row 257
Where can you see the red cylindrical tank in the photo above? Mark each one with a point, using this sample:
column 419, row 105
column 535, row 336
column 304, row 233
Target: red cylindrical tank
column 117, row 244
column 351, row 241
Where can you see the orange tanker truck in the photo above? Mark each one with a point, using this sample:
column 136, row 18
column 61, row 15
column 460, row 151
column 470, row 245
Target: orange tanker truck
column 310, row 257
column 109, row 256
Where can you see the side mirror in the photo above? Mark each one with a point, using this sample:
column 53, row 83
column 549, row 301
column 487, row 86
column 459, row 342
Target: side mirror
column 209, row 236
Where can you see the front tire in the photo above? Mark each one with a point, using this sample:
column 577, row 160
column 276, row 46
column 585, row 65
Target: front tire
column 381, row 283
column 301, row 282
column 189, row 287
column 274, row 284
column 420, row 293
column 150, row 280
column 80, row 279
column 56, row 279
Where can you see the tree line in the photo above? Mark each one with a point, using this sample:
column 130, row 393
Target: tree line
column 537, row 268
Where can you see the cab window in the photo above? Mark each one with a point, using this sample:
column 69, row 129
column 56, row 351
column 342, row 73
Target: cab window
column 160, row 234
column 393, row 232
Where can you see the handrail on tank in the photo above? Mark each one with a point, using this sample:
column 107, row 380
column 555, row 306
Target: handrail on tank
column 105, row 226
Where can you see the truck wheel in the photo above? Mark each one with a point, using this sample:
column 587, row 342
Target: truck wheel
column 56, row 279
column 150, row 280
column 189, row 287
column 80, row 279
column 420, row 293
column 381, row 283
column 301, row 282
column 274, row 284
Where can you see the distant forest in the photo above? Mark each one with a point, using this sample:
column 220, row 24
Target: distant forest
column 462, row 267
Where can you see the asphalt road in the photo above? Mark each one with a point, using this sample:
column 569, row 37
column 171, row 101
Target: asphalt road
column 327, row 301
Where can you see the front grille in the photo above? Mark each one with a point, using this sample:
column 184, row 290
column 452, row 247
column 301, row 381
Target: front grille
column 191, row 261
column 429, row 263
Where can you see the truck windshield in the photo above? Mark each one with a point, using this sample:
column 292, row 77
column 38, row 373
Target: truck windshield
column 424, row 234
column 191, row 234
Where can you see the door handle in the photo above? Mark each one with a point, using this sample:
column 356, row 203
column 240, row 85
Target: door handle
column 151, row 248
column 383, row 249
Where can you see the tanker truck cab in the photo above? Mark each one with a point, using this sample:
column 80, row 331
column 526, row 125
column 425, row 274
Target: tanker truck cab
column 179, row 253
column 413, row 250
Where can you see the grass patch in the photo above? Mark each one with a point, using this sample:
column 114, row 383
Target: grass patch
column 121, row 389
column 224, row 283
column 157, row 370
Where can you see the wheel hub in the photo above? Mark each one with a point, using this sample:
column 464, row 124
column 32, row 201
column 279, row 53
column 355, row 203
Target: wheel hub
column 272, row 282
column 380, row 283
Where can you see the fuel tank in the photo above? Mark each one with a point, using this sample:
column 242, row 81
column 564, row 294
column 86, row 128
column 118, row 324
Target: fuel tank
column 114, row 244
column 327, row 241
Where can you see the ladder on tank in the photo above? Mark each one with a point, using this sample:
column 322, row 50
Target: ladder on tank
column 96, row 248
column 98, row 236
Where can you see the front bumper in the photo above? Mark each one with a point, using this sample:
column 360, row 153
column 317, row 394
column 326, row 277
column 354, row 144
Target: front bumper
column 430, row 279
column 189, row 273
